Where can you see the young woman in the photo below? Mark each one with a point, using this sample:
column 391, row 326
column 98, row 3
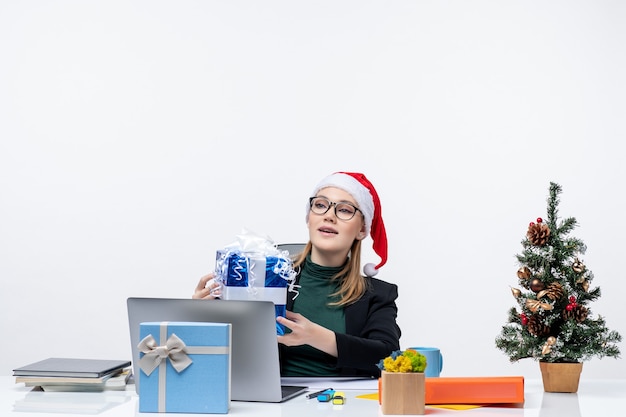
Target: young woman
column 340, row 322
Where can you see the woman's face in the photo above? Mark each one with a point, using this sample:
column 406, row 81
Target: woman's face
column 331, row 237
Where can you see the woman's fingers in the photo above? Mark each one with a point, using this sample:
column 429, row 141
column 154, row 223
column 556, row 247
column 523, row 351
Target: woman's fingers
column 207, row 288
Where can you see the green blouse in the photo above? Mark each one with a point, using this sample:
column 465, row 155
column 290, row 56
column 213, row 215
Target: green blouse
column 315, row 292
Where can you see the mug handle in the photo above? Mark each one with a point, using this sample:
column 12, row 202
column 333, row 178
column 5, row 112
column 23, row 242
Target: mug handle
column 440, row 362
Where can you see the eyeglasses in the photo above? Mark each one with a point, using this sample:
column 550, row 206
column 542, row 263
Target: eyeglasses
column 343, row 211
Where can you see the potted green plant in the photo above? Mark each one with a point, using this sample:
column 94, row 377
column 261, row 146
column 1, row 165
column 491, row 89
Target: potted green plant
column 402, row 383
column 553, row 322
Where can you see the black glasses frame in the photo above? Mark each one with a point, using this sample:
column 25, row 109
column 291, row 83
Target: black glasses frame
column 331, row 204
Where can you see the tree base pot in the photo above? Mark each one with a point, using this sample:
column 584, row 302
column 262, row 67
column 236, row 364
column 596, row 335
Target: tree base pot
column 560, row 377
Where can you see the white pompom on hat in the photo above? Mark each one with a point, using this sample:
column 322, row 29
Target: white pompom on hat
column 362, row 190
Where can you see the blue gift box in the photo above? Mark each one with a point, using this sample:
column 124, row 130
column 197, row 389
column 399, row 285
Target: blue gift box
column 253, row 276
column 185, row 367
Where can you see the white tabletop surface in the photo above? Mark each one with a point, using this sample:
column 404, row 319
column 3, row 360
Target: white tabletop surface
column 595, row 398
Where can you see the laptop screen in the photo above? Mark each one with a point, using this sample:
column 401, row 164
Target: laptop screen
column 255, row 372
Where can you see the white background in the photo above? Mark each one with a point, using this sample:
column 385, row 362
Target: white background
column 138, row 137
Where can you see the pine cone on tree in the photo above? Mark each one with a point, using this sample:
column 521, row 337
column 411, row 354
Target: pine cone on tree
column 538, row 233
column 578, row 313
column 537, row 327
column 553, row 292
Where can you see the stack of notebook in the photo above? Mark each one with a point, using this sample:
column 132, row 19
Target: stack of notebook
column 72, row 374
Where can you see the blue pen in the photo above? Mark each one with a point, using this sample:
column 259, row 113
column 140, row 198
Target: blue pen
column 315, row 394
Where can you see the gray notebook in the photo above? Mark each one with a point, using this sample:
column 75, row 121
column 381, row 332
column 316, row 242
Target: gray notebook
column 72, row 367
column 255, row 370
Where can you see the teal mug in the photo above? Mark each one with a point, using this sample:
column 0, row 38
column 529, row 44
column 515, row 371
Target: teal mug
column 434, row 360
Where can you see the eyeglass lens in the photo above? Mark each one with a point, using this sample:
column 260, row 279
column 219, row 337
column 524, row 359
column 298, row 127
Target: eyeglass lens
column 343, row 211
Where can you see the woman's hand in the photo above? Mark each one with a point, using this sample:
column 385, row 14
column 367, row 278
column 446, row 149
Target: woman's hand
column 208, row 288
column 305, row 332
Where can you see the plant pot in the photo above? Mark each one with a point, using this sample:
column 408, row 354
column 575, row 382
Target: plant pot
column 560, row 377
column 403, row 393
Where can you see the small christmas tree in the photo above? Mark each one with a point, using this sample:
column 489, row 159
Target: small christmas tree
column 554, row 322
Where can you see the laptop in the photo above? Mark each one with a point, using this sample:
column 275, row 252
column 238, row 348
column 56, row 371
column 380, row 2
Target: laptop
column 255, row 370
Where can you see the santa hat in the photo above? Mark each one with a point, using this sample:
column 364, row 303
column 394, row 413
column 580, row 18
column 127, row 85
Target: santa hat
column 362, row 190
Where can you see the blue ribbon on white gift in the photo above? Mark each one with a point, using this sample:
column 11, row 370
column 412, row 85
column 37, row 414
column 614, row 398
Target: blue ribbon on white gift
column 173, row 349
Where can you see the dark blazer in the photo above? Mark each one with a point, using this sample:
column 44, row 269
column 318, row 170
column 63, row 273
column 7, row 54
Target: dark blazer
column 371, row 329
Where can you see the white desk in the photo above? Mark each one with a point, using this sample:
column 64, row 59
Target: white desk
column 595, row 398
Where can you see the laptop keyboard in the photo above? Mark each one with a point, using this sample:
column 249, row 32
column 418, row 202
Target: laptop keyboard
column 288, row 390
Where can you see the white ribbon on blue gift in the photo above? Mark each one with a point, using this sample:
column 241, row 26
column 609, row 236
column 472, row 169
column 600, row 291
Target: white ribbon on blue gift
column 255, row 250
column 162, row 363
column 247, row 260
column 256, row 289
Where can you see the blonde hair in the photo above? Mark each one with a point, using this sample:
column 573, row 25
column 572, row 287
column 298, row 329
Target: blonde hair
column 353, row 284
